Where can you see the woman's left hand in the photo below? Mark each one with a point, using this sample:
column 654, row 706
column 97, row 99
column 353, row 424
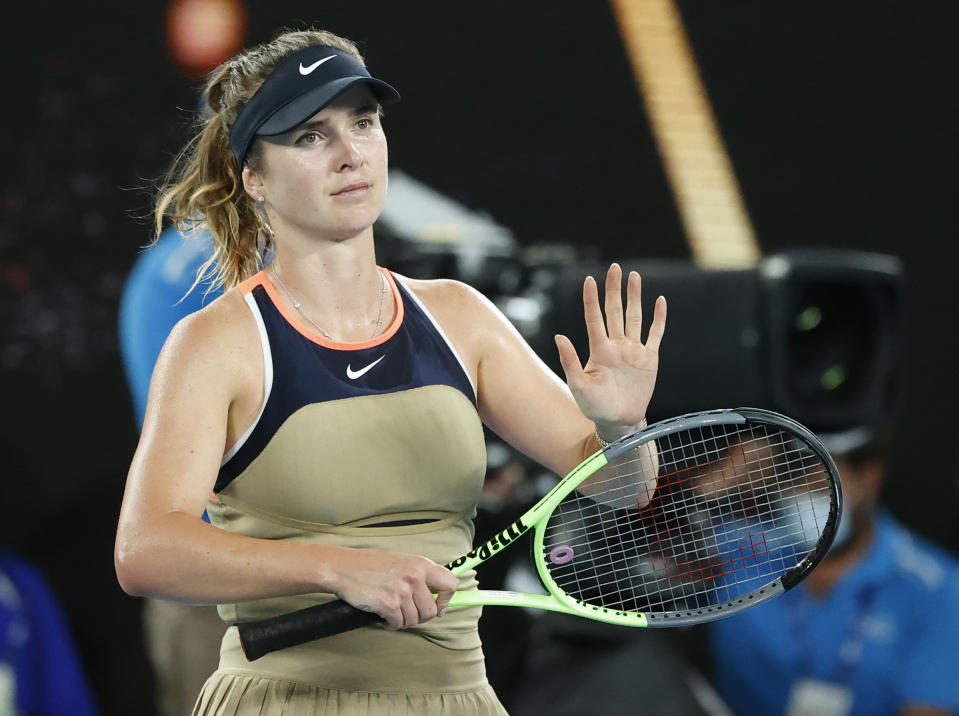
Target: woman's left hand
column 615, row 387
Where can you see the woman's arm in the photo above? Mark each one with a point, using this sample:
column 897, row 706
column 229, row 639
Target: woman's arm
column 206, row 389
column 524, row 402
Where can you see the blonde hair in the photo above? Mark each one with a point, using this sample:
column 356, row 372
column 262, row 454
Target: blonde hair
column 203, row 188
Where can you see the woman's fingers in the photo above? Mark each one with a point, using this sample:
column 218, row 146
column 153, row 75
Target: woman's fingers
column 619, row 323
column 634, row 310
column 568, row 358
column 595, row 325
column 410, row 615
column 414, row 606
column 614, row 302
column 658, row 326
column 444, row 583
column 424, row 603
column 634, row 307
column 419, row 603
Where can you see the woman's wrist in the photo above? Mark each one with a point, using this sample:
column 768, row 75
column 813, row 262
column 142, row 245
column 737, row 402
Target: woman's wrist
column 606, row 435
column 326, row 563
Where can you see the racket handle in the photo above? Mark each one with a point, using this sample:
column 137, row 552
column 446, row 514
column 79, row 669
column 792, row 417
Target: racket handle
column 261, row 637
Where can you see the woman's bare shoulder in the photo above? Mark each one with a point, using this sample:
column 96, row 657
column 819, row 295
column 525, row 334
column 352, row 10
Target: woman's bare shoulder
column 470, row 319
column 446, row 296
column 218, row 336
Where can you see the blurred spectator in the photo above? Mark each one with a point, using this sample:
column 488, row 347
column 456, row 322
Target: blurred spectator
column 40, row 673
column 183, row 641
column 155, row 296
column 873, row 630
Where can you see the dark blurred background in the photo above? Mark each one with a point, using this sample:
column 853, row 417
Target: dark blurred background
column 839, row 119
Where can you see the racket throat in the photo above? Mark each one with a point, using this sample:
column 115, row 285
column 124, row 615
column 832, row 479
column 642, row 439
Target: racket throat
column 483, row 597
column 490, row 547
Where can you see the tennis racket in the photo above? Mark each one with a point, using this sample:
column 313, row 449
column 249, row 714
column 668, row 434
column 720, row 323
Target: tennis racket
column 688, row 520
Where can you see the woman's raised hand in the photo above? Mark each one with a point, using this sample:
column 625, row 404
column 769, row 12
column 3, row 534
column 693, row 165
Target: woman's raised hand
column 616, row 384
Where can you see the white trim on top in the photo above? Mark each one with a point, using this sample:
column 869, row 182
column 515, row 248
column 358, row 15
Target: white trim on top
column 267, row 377
column 439, row 329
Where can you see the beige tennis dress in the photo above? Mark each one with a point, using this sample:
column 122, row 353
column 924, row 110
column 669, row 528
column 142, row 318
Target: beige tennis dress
column 367, row 445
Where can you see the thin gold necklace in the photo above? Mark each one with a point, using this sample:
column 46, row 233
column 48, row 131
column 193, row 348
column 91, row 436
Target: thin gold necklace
column 299, row 307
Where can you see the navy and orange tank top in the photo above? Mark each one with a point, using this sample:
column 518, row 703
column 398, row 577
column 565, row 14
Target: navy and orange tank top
column 374, row 444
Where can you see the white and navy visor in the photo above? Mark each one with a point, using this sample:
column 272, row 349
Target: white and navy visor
column 301, row 85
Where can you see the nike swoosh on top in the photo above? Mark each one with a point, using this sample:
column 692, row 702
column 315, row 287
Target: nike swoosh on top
column 310, row 68
column 354, row 374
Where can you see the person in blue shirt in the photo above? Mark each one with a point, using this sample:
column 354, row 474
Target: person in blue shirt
column 40, row 672
column 183, row 641
column 873, row 630
column 155, row 296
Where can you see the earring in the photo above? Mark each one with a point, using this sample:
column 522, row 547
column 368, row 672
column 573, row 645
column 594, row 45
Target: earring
column 260, row 199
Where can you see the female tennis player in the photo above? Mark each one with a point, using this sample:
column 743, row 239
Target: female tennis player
column 334, row 409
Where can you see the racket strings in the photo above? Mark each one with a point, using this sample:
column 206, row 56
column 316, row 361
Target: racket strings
column 735, row 508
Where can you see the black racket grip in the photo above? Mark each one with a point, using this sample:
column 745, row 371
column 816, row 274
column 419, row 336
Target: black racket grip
column 259, row 638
